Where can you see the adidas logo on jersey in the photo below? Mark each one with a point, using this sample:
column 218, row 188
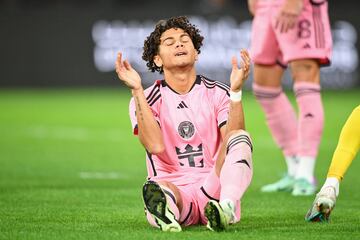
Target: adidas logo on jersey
column 182, row 105
column 306, row 45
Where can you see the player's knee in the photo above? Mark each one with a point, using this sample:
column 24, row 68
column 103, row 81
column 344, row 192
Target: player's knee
column 236, row 133
column 268, row 76
column 238, row 136
column 305, row 70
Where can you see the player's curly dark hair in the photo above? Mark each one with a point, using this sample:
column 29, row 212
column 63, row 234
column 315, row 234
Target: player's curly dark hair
column 152, row 42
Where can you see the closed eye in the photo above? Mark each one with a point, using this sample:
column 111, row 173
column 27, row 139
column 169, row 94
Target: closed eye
column 185, row 38
column 169, row 41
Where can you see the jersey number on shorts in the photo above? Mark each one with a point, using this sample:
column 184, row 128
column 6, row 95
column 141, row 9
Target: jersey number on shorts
column 304, row 29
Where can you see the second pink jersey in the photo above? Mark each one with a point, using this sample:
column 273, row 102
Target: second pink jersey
column 190, row 125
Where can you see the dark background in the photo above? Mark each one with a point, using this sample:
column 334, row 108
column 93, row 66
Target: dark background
column 48, row 43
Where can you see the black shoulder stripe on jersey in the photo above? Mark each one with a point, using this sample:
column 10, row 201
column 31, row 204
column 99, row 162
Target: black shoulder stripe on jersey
column 157, row 93
column 211, row 84
column 208, row 81
column 222, row 84
column 225, row 89
column 157, row 88
column 154, row 101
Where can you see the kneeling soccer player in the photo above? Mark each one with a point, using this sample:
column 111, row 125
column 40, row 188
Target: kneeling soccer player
column 199, row 157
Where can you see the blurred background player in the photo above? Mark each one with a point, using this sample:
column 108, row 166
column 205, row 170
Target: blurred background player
column 198, row 154
column 295, row 33
column 346, row 150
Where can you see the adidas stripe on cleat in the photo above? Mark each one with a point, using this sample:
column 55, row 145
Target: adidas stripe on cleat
column 156, row 204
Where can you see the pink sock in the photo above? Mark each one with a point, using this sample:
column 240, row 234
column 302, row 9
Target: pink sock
column 236, row 173
column 311, row 117
column 170, row 198
column 280, row 117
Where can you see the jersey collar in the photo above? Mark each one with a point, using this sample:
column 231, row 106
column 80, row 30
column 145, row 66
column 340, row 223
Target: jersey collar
column 197, row 81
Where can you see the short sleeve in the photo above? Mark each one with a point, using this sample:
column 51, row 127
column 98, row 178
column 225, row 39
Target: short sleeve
column 222, row 107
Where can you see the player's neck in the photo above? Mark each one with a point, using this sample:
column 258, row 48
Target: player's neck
column 180, row 81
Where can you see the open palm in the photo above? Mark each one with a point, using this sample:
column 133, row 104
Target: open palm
column 239, row 75
column 127, row 74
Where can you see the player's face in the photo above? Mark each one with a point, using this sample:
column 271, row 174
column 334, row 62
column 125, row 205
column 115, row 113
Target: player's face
column 176, row 49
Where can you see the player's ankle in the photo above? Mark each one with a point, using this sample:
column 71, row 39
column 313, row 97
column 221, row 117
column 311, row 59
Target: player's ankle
column 332, row 182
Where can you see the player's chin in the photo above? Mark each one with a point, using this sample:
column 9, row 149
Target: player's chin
column 184, row 63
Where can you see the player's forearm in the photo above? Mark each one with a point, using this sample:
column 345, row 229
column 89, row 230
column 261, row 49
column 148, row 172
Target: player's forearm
column 148, row 129
column 236, row 117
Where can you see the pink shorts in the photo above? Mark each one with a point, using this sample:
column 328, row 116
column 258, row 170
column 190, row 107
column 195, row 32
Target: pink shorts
column 196, row 194
column 309, row 39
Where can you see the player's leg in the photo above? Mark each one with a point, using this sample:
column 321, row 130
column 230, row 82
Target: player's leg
column 307, row 47
column 348, row 146
column 346, row 150
column 280, row 118
column 306, row 76
column 163, row 203
column 234, row 169
column 279, row 113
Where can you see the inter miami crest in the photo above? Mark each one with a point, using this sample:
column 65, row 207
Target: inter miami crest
column 186, row 129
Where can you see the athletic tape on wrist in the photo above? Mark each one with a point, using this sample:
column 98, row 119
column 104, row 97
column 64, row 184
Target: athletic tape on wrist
column 235, row 96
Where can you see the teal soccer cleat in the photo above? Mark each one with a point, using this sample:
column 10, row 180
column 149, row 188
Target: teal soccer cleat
column 303, row 187
column 284, row 184
column 322, row 206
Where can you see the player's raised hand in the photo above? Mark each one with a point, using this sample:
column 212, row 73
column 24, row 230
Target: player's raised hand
column 288, row 15
column 127, row 74
column 239, row 75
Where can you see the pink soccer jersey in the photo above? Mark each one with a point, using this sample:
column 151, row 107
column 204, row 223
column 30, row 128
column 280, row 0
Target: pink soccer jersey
column 190, row 124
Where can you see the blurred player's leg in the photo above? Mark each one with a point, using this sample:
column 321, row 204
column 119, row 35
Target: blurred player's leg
column 306, row 47
column 160, row 203
column 306, row 74
column 281, row 119
column 235, row 177
column 346, row 150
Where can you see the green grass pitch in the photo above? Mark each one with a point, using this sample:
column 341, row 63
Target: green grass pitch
column 71, row 169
